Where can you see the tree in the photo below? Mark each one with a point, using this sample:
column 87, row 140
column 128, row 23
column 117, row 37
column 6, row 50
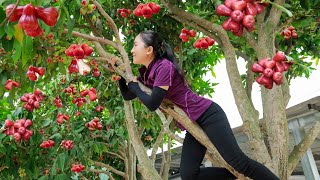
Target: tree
column 115, row 150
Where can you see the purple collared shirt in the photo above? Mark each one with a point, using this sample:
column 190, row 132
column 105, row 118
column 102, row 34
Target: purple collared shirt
column 162, row 72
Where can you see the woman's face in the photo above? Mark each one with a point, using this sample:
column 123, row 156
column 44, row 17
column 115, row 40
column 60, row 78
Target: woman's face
column 140, row 53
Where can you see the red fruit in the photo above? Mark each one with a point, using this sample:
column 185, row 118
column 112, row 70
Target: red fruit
column 12, row 130
column 31, row 75
column 226, row 23
column 73, row 67
column 66, row 117
column 270, row 64
column 240, row 32
column 286, row 32
column 40, row 70
column 9, row 86
column 146, row 10
column 294, row 35
column 59, row 119
column 268, row 72
column 277, row 77
column 138, row 10
column 16, row 14
column 196, row 44
column 228, row 3
column 47, row 15
column 87, row 49
column 96, row 73
column 204, row 44
column 238, row 5
column 78, row 52
column 192, row 33
column 37, row 92
column 34, row 33
column 290, row 28
column 92, row 96
column 209, row 41
column 22, row 130
column 27, row 123
column 15, row 84
column 30, row 101
column 259, row 79
column 69, row 51
column 28, row 10
column 280, row 56
column 279, row 67
column 85, row 3
column 269, row 86
column 8, row 123
column 286, row 65
column 183, row 36
column 36, row 104
column 17, row 136
column 257, row 68
column 94, row 90
column 237, row 15
column 155, row 7
column 28, row 21
column 248, row 21
column 17, row 125
column 223, row 10
column 24, row 99
column 259, row 7
column 184, row 30
column 251, row 9
column 262, row 62
column 99, row 108
column 234, row 26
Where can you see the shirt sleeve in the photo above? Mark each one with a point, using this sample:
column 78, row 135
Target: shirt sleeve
column 164, row 74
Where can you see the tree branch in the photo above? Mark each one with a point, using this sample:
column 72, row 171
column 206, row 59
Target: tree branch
column 302, row 147
column 117, row 155
column 93, row 38
column 6, row 19
column 102, row 171
column 109, row 19
column 275, row 13
column 120, row 173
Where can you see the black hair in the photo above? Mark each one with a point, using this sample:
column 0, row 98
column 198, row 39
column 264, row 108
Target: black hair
column 161, row 49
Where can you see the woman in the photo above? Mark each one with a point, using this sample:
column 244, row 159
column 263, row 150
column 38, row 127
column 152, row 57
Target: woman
column 161, row 73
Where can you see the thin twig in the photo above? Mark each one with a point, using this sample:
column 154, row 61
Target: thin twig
column 15, row 7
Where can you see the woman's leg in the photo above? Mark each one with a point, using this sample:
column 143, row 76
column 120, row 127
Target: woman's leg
column 191, row 158
column 218, row 129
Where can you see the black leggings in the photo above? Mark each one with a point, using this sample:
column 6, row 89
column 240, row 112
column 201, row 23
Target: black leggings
column 215, row 124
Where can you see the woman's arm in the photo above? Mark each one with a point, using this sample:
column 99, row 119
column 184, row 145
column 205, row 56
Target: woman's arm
column 153, row 101
column 126, row 93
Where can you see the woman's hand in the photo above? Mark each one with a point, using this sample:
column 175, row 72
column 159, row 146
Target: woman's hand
column 135, row 79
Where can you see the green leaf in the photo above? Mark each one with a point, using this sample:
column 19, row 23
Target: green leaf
column 17, row 54
column 61, row 177
column 103, row 176
column 3, row 149
column 7, row 44
column 53, row 169
column 27, row 50
column 56, row 136
column 43, row 178
column 18, row 33
column 61, row 160
column 281, row 8
column 46, row 122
